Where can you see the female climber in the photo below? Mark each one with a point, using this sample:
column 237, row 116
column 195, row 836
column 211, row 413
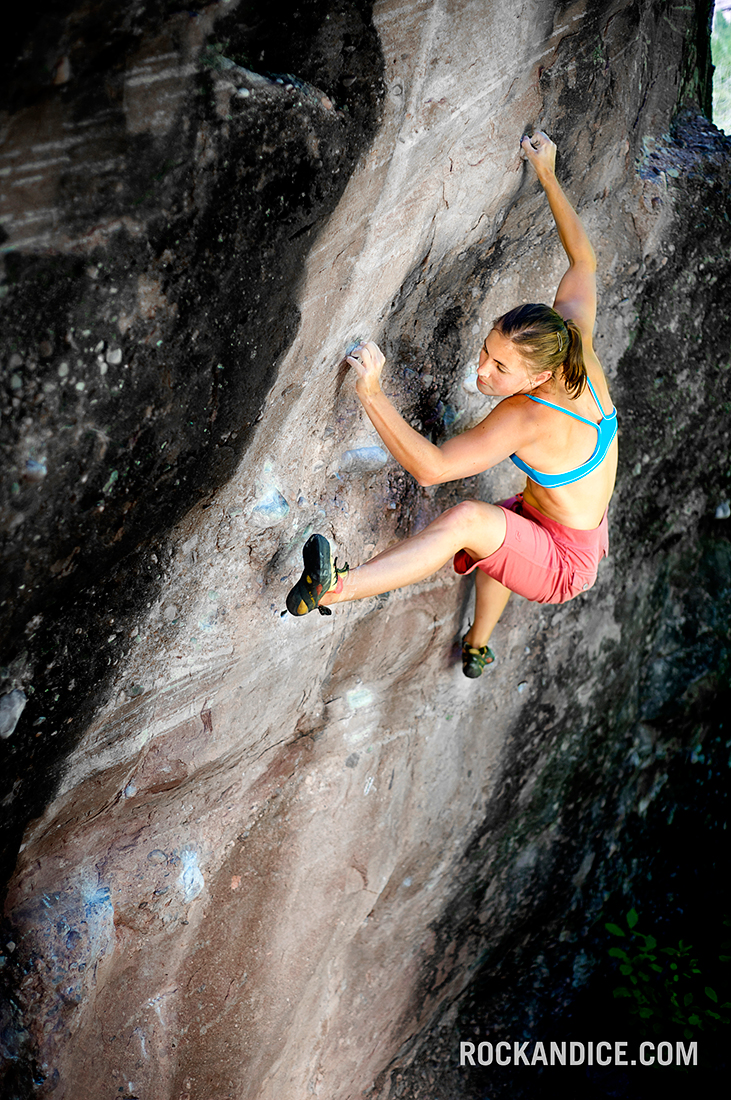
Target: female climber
column 556, row 423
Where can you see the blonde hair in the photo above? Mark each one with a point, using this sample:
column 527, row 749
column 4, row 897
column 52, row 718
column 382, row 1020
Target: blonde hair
column 546, row 342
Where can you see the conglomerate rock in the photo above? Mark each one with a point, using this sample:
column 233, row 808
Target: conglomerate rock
column 261, row 857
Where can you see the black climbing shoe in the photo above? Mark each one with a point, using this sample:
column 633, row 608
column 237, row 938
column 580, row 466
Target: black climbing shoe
column 320, row 575
column 474, row 659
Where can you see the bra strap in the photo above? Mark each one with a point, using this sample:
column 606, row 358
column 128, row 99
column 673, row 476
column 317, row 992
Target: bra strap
column 560, row 408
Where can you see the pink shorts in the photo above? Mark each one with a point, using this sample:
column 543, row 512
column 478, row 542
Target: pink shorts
column 540, row 558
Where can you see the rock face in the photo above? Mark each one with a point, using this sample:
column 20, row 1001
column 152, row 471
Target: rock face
column 260, row 857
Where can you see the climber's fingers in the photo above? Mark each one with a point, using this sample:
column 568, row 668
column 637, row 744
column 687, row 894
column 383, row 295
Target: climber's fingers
column 367, row 359
column 539, row 149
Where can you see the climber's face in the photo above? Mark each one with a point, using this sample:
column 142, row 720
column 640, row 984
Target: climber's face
column 501, row 371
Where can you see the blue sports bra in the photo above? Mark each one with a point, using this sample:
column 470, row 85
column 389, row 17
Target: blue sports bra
column 606, row 431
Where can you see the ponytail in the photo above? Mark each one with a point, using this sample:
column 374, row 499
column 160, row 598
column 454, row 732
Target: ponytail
column 574, row 368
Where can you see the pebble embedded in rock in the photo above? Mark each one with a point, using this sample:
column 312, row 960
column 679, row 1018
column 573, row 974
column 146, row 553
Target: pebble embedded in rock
column 191, row 879
column 362, row 460
column 11, row 708
column 35, row 471
column 270, row 509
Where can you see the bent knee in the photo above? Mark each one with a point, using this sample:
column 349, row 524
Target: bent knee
column 474, row 513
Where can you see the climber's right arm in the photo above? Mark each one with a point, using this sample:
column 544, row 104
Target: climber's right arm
column 503, row 431
column 415, row 453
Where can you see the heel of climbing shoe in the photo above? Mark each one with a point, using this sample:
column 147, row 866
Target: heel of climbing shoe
column 320, row 575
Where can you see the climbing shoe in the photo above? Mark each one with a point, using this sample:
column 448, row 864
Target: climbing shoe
column 320, row 575
column 475, row 658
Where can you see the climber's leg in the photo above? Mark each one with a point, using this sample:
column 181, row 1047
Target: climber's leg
column 490, row 600
column 473, row 525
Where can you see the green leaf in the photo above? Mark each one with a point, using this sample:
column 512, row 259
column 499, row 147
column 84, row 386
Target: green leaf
column 632, row 918
column 621, row 991
column 617, row 953
column 651, row 942
column 695, row 1020
column 645, row 1013
column 688, row 1033
column 614, row 929
column 625, row 969
column 687, row 999
column 712, row 994
column 656, row 968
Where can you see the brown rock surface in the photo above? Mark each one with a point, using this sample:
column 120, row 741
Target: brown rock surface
column 274, row 851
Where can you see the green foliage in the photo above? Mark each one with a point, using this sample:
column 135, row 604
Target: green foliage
column 721, row 53
column 664, row 985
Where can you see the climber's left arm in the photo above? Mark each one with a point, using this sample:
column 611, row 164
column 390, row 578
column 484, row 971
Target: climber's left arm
column 576, row 293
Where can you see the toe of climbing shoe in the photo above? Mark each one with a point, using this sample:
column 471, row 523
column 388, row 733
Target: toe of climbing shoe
column 475, row 659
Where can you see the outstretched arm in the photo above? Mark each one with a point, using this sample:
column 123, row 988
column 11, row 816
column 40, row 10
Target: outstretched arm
column 501, row 433
column 576, row 294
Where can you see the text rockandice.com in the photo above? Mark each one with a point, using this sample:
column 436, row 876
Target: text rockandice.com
column 577, row 1054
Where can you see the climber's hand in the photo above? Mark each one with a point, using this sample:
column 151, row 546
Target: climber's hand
column 368, row 360
column 540, row 151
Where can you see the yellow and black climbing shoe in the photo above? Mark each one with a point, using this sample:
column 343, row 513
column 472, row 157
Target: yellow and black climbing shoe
column 475, row 658
column 320, row 575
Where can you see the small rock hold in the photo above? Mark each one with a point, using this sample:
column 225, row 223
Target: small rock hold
column 724, row 510
column 156, row 856
column 114, row 356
